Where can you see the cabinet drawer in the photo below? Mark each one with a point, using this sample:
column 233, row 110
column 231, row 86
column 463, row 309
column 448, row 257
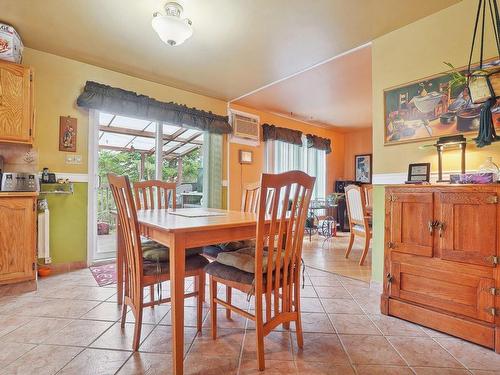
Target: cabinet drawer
column 457, row 293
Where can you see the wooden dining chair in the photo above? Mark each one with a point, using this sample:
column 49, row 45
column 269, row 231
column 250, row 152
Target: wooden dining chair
column 141, row 273
column 368, row 191
column 153, row 194
column 274, row 275
column 359, row 222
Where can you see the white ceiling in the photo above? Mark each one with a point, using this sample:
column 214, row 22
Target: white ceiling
column 337, row 93
column 237, row 46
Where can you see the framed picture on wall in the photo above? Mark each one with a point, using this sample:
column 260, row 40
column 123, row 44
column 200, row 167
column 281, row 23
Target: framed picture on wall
column 67, row 134
column 363, row 168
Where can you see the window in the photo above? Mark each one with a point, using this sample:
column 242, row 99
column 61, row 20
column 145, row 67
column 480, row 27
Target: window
column 282, row 157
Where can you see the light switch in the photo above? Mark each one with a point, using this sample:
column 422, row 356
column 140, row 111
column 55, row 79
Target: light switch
column 73, row 159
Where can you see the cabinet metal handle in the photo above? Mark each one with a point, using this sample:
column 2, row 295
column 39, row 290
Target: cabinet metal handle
column 389, row 278
column 442, row 227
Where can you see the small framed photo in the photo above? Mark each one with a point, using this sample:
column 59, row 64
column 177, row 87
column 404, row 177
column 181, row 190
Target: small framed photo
column 419, row 173
column 363, row 168
column 246, row 157
column 67, row 134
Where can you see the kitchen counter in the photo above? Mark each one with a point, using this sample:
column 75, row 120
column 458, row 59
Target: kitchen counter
column 18, row 194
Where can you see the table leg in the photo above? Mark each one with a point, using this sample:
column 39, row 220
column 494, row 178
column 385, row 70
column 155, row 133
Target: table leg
column 119, row 264
column 177, row 271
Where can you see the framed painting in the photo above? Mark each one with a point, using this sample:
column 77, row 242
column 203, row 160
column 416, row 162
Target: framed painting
column 363, row 168
column 67, row 134
column 430, row 108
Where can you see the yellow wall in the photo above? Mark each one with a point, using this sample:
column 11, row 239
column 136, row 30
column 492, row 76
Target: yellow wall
column 411, row 53
column 59, row 81
column 240, row 175
column 356, row 143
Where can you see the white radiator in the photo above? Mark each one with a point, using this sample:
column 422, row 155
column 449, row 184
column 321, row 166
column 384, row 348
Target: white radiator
column 43, row 236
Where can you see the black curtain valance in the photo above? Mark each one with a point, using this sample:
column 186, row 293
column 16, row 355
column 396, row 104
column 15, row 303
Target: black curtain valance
column 128, row 103
column 275, row 133
column 319, row 143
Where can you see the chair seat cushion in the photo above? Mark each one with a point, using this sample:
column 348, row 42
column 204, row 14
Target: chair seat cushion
column 244, row 259
column 154, row 251
column 212, row 251
column 193, row 263
column 229, row 273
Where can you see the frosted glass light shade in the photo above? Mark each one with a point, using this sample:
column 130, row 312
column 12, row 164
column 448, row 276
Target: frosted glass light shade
column 172, row 30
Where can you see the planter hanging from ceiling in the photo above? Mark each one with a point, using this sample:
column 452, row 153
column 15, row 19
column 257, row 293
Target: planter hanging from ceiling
column 484, row 83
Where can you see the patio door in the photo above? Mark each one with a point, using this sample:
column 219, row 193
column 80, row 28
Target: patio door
column 142, row 150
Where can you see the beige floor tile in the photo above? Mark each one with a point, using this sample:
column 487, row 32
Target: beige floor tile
column 440, row 371
column 42, row 360
column 228, row 343
column 317, row 368
column 11, row 322
column 160, row 340
column 371, row 350
column 353, row 324
column 36, row 331
column 108, row 311
column 96, row 362
column 236, row 320
column 332, row 292
column 277, row 346
column 250, row 367
column 78, row 333
column 119, row 338
column 308, row 292
column 341, row 306
column 11, row 351
column 200, row 365
column 190, row 316
column 311, row 305
column 423, row 351
column 147, row 364
column 315, row 322
column 66, row 308
column 150, row 315
column 474, row 357
column 318, row 347
column 369, row 305
column 391, row 326
column 383, row 370
column 329, row 281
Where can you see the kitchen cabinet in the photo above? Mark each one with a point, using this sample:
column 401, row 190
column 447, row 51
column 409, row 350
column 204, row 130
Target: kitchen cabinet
column 16, row 103
column 440, row 259
column 17, row 237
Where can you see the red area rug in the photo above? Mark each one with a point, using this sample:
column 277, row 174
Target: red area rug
column 105, row 274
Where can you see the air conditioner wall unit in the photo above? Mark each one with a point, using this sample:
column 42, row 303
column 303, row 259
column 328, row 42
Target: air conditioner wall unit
column 246, row 128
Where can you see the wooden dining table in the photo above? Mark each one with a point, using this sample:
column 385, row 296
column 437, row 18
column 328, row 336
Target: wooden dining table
column 179, row 230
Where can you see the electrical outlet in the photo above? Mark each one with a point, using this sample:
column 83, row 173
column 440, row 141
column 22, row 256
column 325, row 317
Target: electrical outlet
column 73, row 159
column 48, row 260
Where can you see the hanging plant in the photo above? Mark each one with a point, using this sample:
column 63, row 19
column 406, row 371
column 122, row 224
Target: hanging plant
column 484, row 83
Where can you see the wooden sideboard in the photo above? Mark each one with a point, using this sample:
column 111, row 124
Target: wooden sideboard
column 18, row 213
column 441, row 258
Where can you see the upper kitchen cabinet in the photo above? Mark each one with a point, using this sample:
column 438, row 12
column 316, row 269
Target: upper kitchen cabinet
column 16, row 103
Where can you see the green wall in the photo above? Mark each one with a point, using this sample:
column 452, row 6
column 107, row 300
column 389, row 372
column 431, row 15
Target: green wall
column 378, row 233
column 68, row 225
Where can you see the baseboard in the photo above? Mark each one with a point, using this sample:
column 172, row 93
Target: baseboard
column 376, row 285
column 59, row 268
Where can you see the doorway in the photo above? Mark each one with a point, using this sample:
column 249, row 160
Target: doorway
column 142, row 150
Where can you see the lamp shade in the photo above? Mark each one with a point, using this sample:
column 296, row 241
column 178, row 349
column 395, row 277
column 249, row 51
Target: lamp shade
column 172, row 30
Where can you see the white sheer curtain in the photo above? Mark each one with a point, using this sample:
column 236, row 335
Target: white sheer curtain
column 282, row 157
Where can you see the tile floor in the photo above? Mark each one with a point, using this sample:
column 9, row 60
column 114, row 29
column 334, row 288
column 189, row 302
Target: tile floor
column 328, row 255
column 70, row 326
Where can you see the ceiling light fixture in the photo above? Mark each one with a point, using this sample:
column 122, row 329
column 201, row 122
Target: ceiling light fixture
column 170, row 27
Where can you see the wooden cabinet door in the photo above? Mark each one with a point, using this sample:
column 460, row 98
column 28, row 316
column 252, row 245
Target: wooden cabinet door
column 410, row 215
column 17, row 239
column 469, row 227
column 444, row 289
column 16, row 109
